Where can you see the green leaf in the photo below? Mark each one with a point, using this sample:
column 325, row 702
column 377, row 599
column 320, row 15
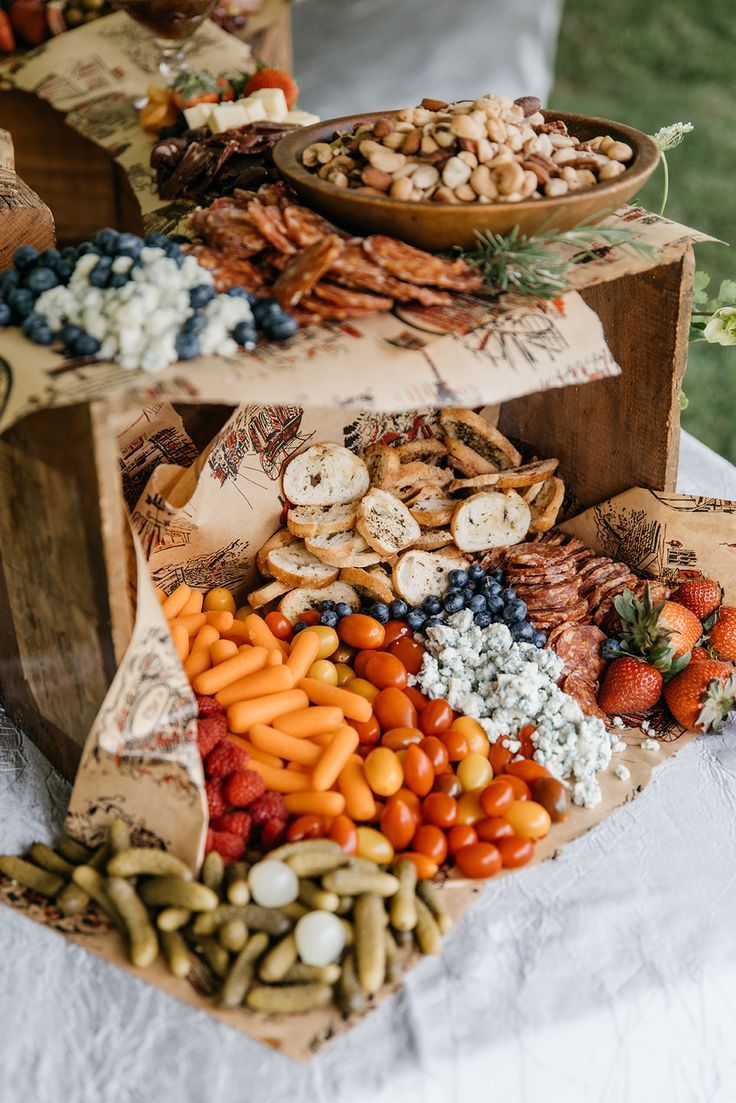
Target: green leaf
column 727, row 293
column 684, row 400
column 700, row 282
column 677, row 666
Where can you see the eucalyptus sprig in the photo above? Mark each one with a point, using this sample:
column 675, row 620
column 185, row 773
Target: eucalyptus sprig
column 537, row 265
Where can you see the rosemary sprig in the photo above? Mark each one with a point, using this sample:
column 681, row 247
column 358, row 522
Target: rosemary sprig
column 536, row 265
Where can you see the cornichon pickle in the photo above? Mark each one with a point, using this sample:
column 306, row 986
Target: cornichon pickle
column 393, row 964
column 345, row 905
column 278, row 959
column 176, row 953
column 236, row 883
column 289, row 998
column 47, row 858
column 143, row 944
column 173, row 892
column 254, row 916
column 119, row 836
column 349, row 932
column 317, row 863
column 72, row 900
column 365, row 865
column 350, row 995
column 426, row 932
column 73, row 851
column 369, row 923
column 233, row 935
column 353, row 882
column 403, row 911
column 146, row 860
column 317, row 899
column 93, row 883
column 306, row 846
column 241, row 971
column 213, row 871
column 294, row 910
column 31, row 876
column 299, row 973
column 432, row 897
column 173, row 919
column 215, row 955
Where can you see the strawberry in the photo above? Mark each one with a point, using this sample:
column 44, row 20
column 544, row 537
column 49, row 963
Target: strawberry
column 270, row 806
column 657, row 633
column 210, row 731
column 225, row 759
column 702, row 695
column 701, row 596
column 698, row 655
column 216, row 803
column 230, row 847
column 7, row 39
column 723, row 633
column 630, row 685
column 28, row 20
column 194, row 86
column 272, row 833
column 237, row 823
column 274, row 78
column 208, row 706
column 244, row 787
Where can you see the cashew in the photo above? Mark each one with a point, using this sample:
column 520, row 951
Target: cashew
column 428, row 144
column 394, row 140
column 586, row 178
column 339, row 179
column 496, row 130
column 514, row 139
column 485, row 150
column 562, row 156
column 561, row 141
column 387, row 160
column 483, row 183
column 319, row 153
column 402, row 188
column 445, row 195
column 530, row 184
column 469, row 158
column 444, row 137
column 465, row 193
column 425, row 176
column 455, row 173
column 375, row 178
column 537, row 119
column 464, row 126
column 509, row 178
column 541, row 144
column 610, row 170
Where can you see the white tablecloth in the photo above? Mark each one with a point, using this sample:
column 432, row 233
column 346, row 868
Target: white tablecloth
column 605, row 976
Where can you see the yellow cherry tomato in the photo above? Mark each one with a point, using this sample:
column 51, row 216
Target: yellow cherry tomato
column 345, row 673
column 363, row 688
column 324, row 671
column 474, row 772
column 384, row 772
column 528, row 819
column 374, row 846
column 469, row 809
column 477, row 739
column 329, row 642
column 219, row 600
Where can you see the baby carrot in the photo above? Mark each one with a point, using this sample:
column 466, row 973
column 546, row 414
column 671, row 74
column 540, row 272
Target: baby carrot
column 262, row 710
column 242, row 663
column 255, row 752
column 275, row 658
column 274, row 679
column 334, row 758
column 285, row 746
column 303, row 653
column 176, row 601
column 323, row 804
column 196, row 663
column 205, row 638
column 323, row 739
column 260, row 634
column 194, row 603
column 280, row 781
column 359, row 800
column 237, row 632
column 160, row 595
column 319, row 693
column 308, row 722
column 222, row 650
column 181, row 641
column 220, row 620
column 299, row 767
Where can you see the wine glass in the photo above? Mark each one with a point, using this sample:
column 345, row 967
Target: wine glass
column 172, row 23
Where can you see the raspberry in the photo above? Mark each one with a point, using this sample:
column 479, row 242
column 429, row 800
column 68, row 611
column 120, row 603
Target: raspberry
column 207, row 706
column 270, row 806
column 274, row 78
column 243, row 787
column 209, row 733
column 215, row 799
column 237, row 823
column 225, row 759
column 272, row 833
column 231, row 847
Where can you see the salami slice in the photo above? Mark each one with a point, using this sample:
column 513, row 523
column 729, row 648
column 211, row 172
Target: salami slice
column 415, row 266
column 549, row 597
column 535, row 555
column 305, row 270
column 583, row 691
column 579, row 646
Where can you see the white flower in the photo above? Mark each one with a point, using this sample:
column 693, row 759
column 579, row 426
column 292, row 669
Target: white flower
column 667, row 137
column 721, row 329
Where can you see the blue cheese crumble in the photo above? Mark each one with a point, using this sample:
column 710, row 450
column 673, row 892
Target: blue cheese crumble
column 623, row 773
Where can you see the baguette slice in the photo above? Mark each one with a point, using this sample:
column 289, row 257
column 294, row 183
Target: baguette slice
column 383, row 464
column 320, row 520
column 466, row 459
column 296, row 566
column 415, row 476
column 511, row 479
column 420, row 574
column 491, row 519
column 432, row 512
column 432, row 539
column 302, row 598
column 325, row 475
column 375, row 584
column 367, row 558
column 385, row 523
column 337, row 549
column 260, row 597
column 478, row 434
column 547, row 505
column 426, row 450
column 280, row 539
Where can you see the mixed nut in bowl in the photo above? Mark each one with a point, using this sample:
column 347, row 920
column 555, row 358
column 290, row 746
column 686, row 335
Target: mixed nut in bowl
column 433, row 174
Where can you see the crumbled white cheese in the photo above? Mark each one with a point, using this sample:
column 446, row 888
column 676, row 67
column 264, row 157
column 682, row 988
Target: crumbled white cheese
column 623, row 773
column 483, row 673
column 618, row 722
column 650, row 745
column 617, row 745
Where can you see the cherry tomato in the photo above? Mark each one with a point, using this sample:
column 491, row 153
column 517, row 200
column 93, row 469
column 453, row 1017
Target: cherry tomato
column 324, row 671
column 493, row 829
column 455, row 744
column 500, row 757
column 394, row 630
column 409, row 651
column 280, row 626
column 524, row 737
column 516, row 852
column 345, row 673
column 478, row 741
column 308, row 826
column 498, row 797
column 394, row 710
column 474, row 772
column 398, row 824
column 436, row 752
column 528, row 770
column 374, row 846
column 398, row 739
column 385, row 670
column 310, row 617
column 343, row 654
column 344, row 832
column 521, row 789
column 417, row 699
column 469, row 808
column 462, row 834
column 363, row 688
column 431, row 841
column 383, row 772
column 218, row 600
column 447, row 783
column 553, row 796
column 528, row 819
column 418, row 771
column 361, row 631
column 478, row 860
column 440, row 809
column 436, row 717
column 369, row 731
column 411, row 800
column 328, row 641
column 360, row 662
column 425, row 867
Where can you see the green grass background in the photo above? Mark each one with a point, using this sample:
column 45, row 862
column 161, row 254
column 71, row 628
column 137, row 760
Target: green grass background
column 649, row 65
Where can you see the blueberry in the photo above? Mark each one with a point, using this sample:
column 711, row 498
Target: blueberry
column 416, row 619
column 300, row 626
column 490, row 588
column 41, row 279
column 482, row 619
column 282, row 328
column 478, row 604
column 240, row 293
column 179, row 239
column 457, row 579
column 476, row 572
column 432, row 605
column 342, row 609
column 50, row 258
column 128, row 245
column 64, row 270
column 195, row 323
column 497, row 575
column 36, row 329
column 432, row 622
column 69, row 333
column 379, row 611
column 100, row 275
column 20, row 301
column 107, row 240
column 25, row 257
column 246, row 334
column 69, row 254
column 453, row 601
column 187, row 346
column 88, row 247
column 9, row 280
column 398, row 609
column 515, row 611
column 539, row 639
column 264, row 309
column 86, row 345
column 611, row 649
column 201, row 294
column 468, row 593
column 327, row 605
column 31, row 321
column 508, row 595
column 495, row 604
column 329, row 618
column 118, row 279
column 522, row 632
column 6, row 314
column 156, row 241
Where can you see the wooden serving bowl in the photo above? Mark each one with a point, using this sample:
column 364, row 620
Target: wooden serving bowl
column 437, row 226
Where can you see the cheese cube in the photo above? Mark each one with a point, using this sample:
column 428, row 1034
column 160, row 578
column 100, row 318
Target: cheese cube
column 274, row 101
column 223, row 116
column 198, row 115
column 300, row 118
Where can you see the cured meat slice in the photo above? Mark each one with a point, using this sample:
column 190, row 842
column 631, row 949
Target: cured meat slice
column 549, row 597
column 305, row 270
column 407, row 263
column 535, row 555
column 579, row 646
column 551, row 618
column 584, row 692
column 270, row 222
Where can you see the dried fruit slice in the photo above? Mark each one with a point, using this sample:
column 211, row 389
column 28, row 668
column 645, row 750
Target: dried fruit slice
column 407, row 263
